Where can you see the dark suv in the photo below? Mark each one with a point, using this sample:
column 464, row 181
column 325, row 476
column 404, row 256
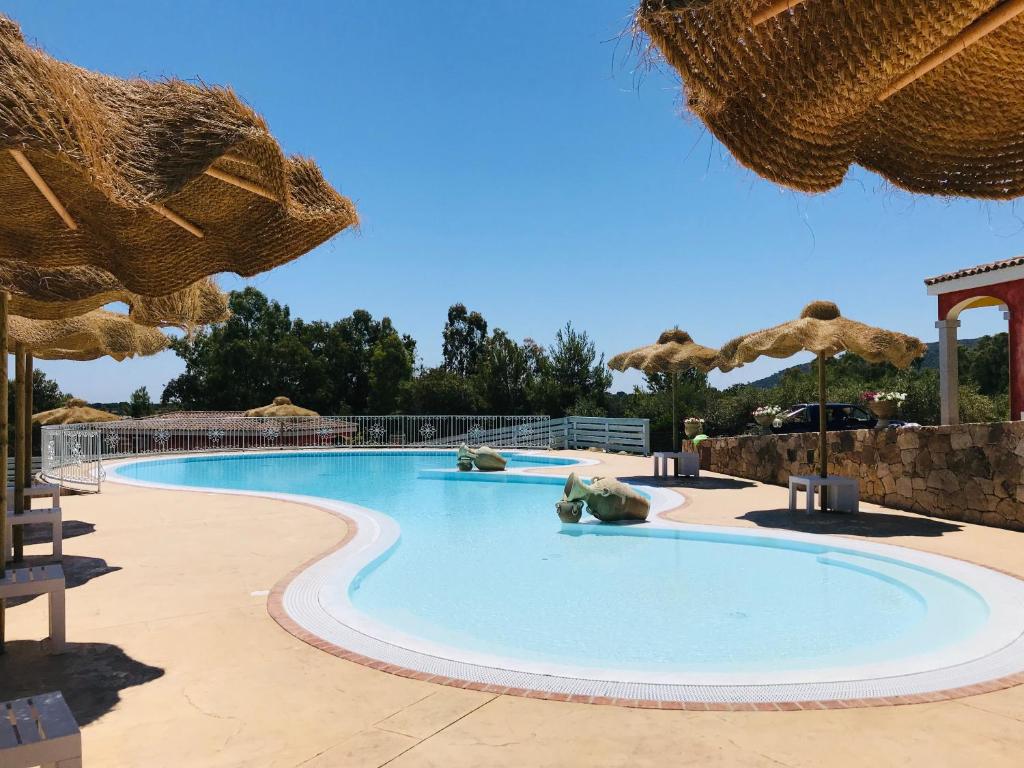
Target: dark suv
column 803, row 417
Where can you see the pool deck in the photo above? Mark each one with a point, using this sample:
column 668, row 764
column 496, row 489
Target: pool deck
column 175, row 660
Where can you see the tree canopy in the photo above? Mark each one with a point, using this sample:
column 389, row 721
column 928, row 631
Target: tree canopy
column 364, row 365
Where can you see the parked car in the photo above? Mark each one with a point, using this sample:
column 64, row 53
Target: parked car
column 803, row 417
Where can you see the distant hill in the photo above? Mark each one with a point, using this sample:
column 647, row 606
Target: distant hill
column 930, row 360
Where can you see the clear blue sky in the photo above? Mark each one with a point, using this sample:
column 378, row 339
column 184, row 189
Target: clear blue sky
column 510, row 155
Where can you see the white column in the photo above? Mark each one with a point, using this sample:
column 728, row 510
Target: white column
column 949, row 376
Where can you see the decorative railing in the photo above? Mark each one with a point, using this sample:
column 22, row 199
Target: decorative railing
column 73, row 454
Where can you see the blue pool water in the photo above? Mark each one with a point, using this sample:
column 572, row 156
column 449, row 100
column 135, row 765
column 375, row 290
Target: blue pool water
column 484, row 565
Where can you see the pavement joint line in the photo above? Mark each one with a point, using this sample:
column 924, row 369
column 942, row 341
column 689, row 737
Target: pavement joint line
column 439, row 730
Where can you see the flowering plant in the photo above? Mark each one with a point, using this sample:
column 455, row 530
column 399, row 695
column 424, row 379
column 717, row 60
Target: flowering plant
column 693, row 420
column 766, row 410
column 885, row 397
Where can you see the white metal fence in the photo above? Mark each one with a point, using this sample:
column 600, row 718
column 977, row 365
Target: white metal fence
column 73, row 454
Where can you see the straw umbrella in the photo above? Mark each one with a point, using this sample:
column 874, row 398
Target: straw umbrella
column 921, row 92
column 821, row 329
column 74, row 411
column 96, row 334
column 282, row 408
column 158, row 183
column 54, row 294
column 673, row 352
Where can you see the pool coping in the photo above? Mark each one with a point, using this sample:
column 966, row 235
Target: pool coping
column 294, row 597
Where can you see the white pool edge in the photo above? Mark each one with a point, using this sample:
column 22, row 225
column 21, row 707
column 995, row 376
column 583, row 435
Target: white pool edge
column 317, row 600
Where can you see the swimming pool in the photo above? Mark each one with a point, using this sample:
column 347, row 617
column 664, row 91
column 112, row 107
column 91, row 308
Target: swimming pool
column 474, row 575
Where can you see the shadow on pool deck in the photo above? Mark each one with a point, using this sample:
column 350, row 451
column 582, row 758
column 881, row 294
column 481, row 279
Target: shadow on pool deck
column 78, row 570
column 90, row 675
column 868, row 524
column 705, row 483
column 41, row 533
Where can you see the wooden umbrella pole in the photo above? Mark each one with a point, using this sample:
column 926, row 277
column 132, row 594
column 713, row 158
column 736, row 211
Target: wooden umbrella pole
column 4, row 296
column 822, row 430
column 675, row 420
column 19, row 447
column 972, row 33
column 773, row 10
column 28, row 425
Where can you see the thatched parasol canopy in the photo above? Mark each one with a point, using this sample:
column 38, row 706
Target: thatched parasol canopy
column 86, row 337
column 201, row 303
column 674, row 351
column 927, row 94
column 821, row 329
column 54, row 294
column 74, row 411
column 159, row 183
column 282, row 408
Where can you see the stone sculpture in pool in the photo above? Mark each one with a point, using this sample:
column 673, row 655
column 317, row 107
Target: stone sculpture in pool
column 607, row 499
column 485, row 459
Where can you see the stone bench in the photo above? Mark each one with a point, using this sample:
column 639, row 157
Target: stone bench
column 39, row 730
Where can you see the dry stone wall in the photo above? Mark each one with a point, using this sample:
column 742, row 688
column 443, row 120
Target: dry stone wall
column 970, row 472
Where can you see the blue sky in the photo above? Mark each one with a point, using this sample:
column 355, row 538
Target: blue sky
column 512, row 155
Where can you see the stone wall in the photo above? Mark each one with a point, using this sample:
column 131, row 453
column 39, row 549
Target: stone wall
column 971, row 472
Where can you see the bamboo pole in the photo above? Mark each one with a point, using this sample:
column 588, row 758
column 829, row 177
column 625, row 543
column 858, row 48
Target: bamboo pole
column 4, row 296
column 43, row 187
column 972, row 33
column 19, row 447
column 773, row 10
column 822, row 430
column 239, row 182
column 181, row 221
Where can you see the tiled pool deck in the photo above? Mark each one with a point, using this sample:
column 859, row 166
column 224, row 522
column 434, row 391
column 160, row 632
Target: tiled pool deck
column 176, row 661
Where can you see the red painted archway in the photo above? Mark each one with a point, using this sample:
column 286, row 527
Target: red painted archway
column 1010, row 293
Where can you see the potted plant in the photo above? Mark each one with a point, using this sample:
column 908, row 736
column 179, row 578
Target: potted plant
column 765, row 415
column 693, row 426
column 884, row 405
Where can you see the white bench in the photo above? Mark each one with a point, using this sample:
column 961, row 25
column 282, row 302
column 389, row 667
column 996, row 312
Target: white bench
column 843, row 492
column 49, row 515
column 40, row 580
column 38, row 491
column 686, row 463
column 39, row 730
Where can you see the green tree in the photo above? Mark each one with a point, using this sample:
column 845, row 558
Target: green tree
column 464, row 335
column 506, row 375
column 261, row 352
column 571, row 374
column 987, row 364
column 390, row 368
column 140, row 403
column 46, row 394
column 436, row 391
